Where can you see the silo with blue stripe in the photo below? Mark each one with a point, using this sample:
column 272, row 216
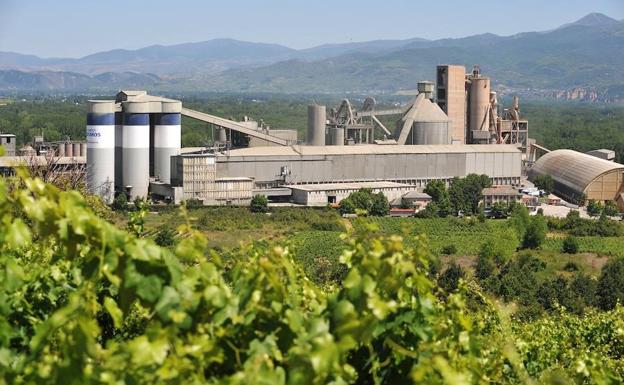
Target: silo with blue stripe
column 167, row 139
column 135, row 149
column 101, row 148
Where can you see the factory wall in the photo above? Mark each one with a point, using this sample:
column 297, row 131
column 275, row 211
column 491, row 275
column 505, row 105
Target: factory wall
column 415, row 168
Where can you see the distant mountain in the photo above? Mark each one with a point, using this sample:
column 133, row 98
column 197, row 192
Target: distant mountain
column 594, row 20
column 585, row 57
column 12, row 80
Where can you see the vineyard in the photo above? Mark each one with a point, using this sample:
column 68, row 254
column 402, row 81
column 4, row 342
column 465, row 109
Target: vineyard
column 83, row 302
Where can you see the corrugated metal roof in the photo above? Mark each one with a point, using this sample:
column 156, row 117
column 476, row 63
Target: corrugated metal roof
column 573, row 169
column 347, row 186
column 365, row 149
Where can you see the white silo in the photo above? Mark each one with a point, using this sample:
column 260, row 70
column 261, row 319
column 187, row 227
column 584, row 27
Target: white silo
column 135, row 148
column 100, row 148
column 167, row 139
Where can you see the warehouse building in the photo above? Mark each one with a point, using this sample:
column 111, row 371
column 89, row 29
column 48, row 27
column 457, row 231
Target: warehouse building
column 331, row 193
column 415, row 165
column 577, row 176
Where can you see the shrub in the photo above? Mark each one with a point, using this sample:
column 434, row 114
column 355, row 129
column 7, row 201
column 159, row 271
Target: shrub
column 165, row 237
column 611, row 284
column 120, row 203
column 594, row 208
column 571, row 266
column 259, row 204
column 535, row 233
column 449, row 279
column 570, row 245
column 449, row 249
column 346, row 206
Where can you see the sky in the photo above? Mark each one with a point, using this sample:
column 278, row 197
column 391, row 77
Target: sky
column 75, row 28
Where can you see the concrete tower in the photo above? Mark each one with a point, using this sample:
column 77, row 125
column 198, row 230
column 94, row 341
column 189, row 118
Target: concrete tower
column 135, row 148
column 451, row 97
column 167, row 139
column 100, row 148
column 317, row 117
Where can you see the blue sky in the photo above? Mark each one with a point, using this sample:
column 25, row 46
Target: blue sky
column 74, row 28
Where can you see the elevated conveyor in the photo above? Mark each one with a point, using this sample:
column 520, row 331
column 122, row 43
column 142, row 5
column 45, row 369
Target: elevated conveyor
column 232, row 125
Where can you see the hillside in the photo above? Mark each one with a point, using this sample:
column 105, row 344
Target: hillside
column 583, row 60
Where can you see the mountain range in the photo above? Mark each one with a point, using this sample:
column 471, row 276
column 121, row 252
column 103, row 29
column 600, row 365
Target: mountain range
column 586, row 55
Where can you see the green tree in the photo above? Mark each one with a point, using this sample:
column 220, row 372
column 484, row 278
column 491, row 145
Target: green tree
column 611, row 209
column 610, row 288
column 594, row 208
column 120, row 203
column 535, row 233
column 449, row 279
column 259, row 204
column 544, row 182
column 440, row 196
column 379, row 206
column 570, row 245
column 346, row 206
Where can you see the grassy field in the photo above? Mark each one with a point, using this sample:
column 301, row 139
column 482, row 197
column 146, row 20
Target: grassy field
column 315, row 235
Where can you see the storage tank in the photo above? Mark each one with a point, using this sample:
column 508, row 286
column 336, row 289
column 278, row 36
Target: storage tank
column 100, row 148
column 317, row 118
column 60, row 150
column 118, row 151
column 479, row 102
column 135, row 148
column 426, row 122
column 337, row 136
column 167, row 140
column 76, row 148
column 221, row 135
column 69, row 149
column 83, row 149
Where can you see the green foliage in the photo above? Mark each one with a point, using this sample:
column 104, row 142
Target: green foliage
column 610, row 289
column 594, row 208
column 259, row 204
column 449, row 279
column 365, row 200
column 86, row 303
column 544, row 182
column 611, row 209
column 440, row 197
column 165, row 237
column 570, row 245
column 120, row 203
column 449, row 249
column 535, row 233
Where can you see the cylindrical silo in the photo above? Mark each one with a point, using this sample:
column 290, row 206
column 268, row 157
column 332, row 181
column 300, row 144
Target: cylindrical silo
column 60, row 150
column 431, row 132
column 221, row 135
column 135, row 148
column 316, row 125
column 69, row 150
column 118, row 151
column 337, row 136
column 76, row 148
column 167, row 143
column 479, row 104
column 83, row 149
column 100, row 148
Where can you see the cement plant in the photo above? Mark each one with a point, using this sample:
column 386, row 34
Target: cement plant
column 451, row 128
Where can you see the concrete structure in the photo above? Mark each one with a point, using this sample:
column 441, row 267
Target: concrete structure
column 479, row 107
column 167, row 143
column 424, row 123
column 276, row 166
column 332, row 193
column 100, row 148
column 7, row 141
column 136, row 149
column 317, row 117
column 451, row 97
column 577, row 175
column 603, row 154
column 417, row 200
column 504, row 194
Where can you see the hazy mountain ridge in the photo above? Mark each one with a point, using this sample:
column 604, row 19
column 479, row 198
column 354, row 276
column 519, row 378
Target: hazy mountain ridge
column 585, row 57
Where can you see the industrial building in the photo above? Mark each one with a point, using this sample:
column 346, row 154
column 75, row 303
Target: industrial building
column 579, row 176
column 134, row 147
